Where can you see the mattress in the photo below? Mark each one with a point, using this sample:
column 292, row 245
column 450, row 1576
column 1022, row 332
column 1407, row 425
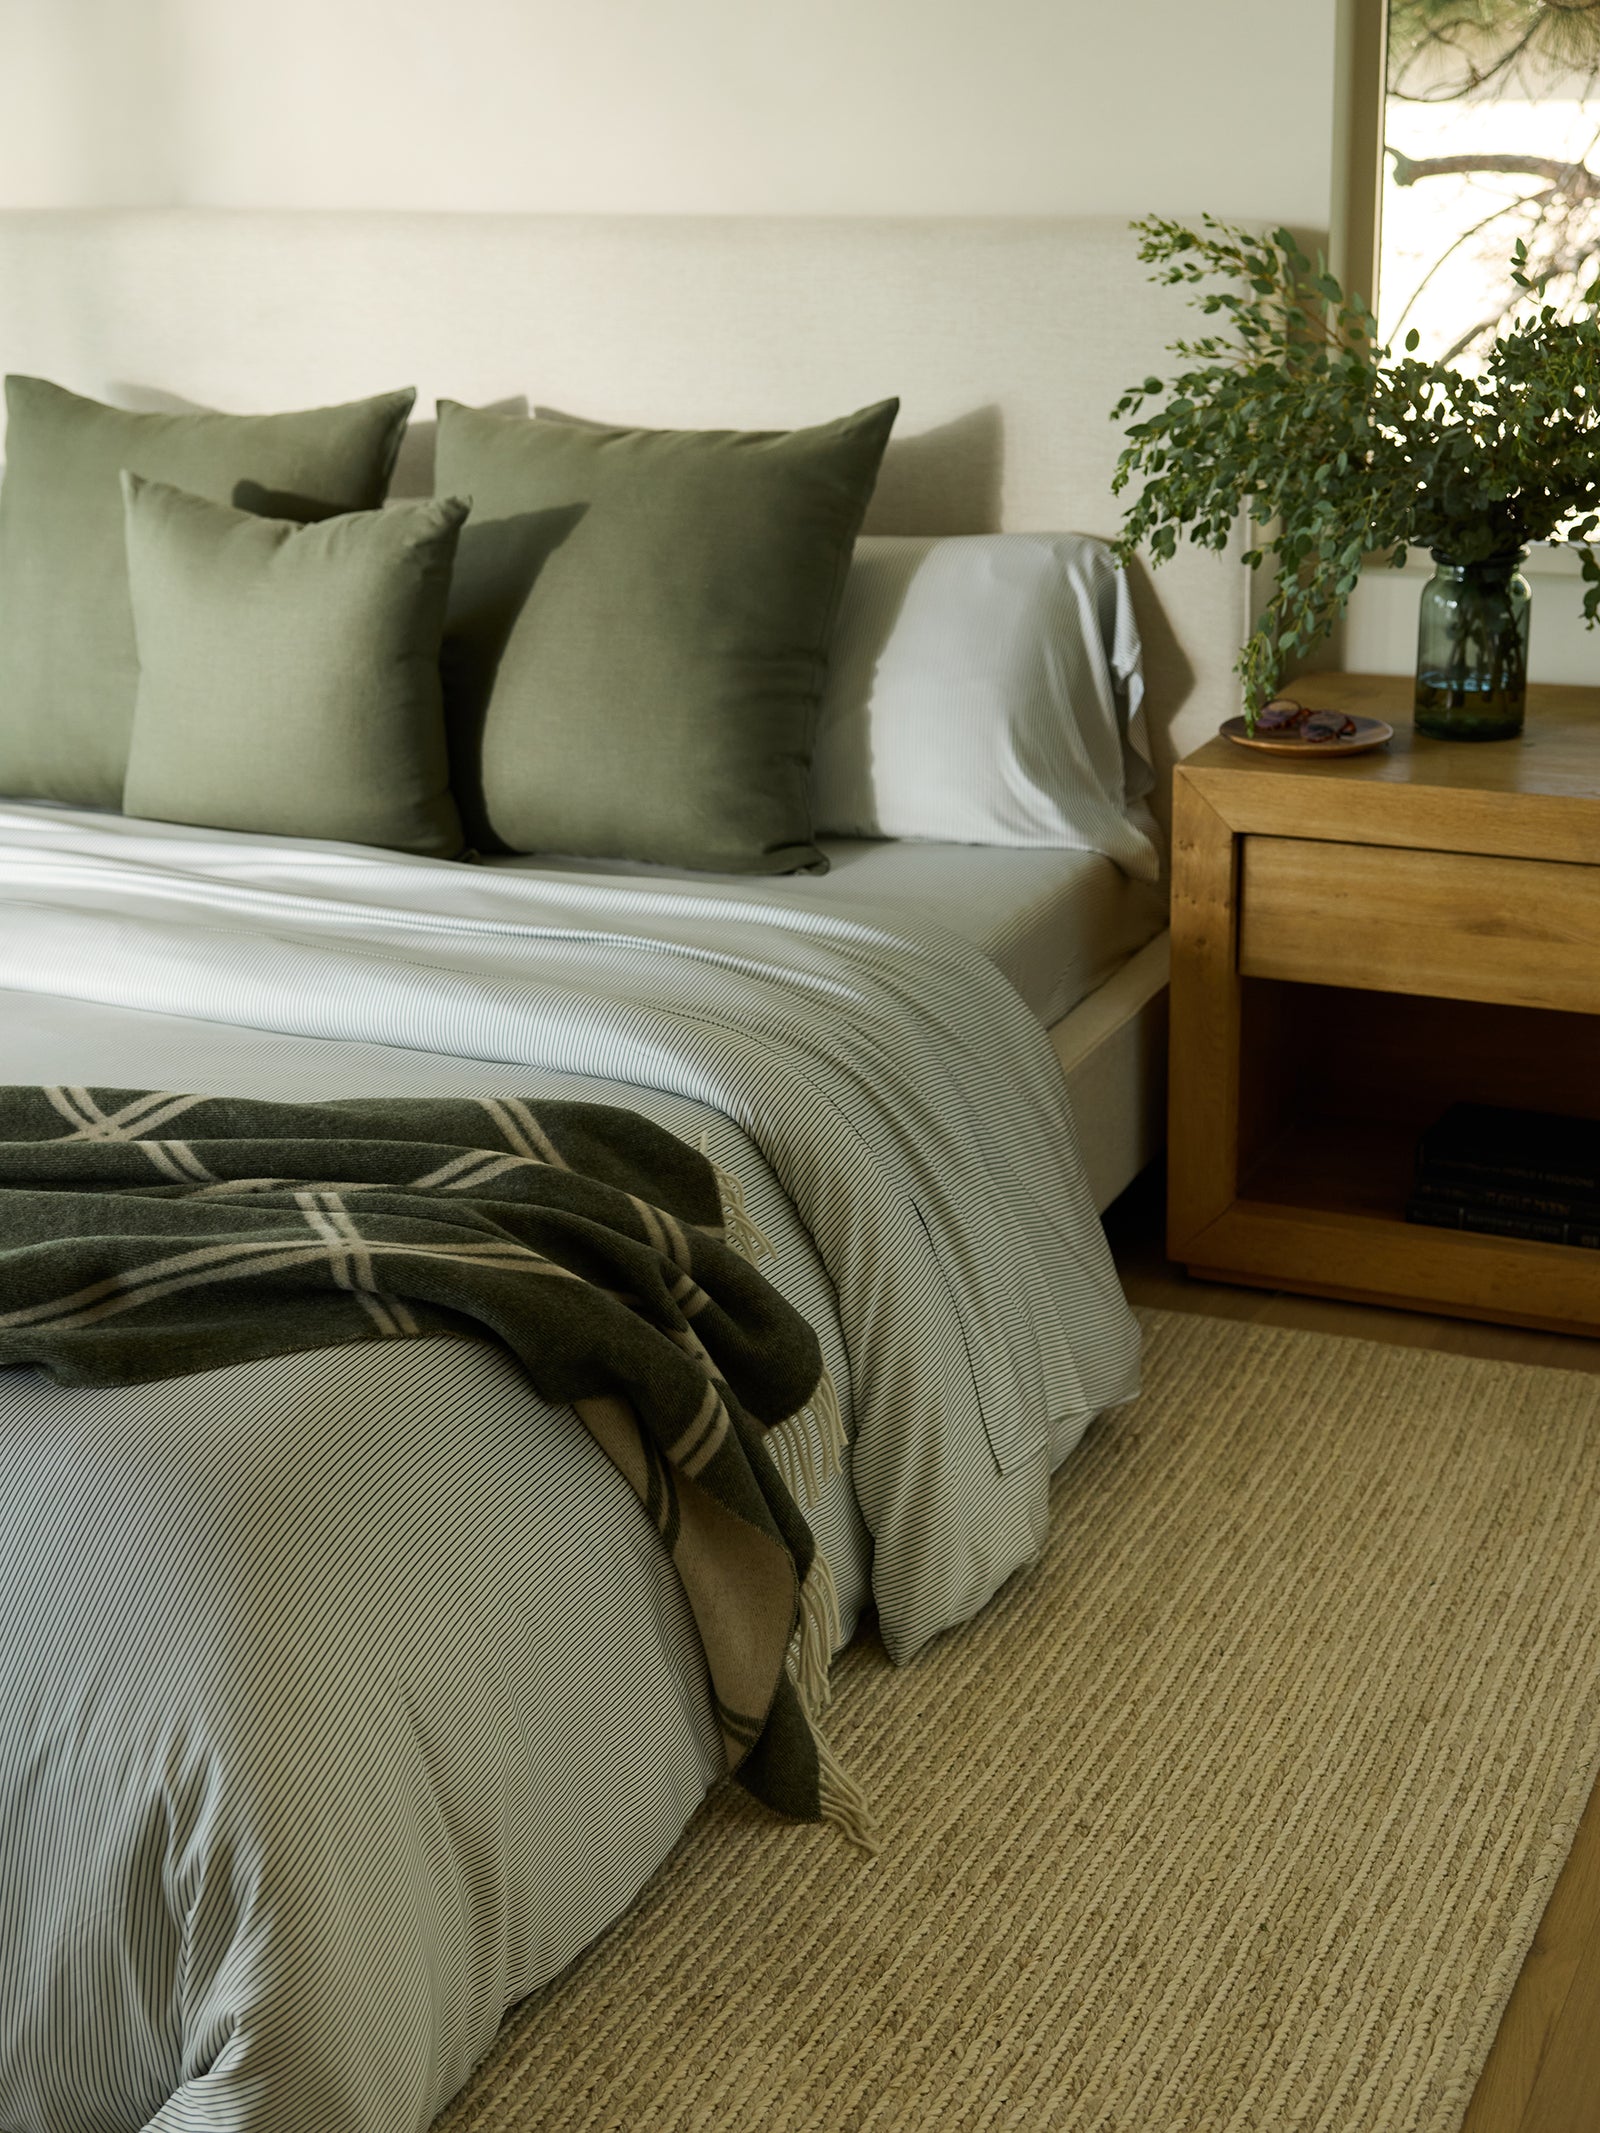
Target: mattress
column 1056, row 923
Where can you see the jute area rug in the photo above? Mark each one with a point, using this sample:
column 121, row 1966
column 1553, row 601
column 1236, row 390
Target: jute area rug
column 1239, row 1811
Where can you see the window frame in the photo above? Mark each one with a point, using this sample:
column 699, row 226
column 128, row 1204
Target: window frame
column 1361, row 35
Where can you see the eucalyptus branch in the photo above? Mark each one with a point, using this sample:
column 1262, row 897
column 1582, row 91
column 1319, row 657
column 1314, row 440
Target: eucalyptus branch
column 1336, row 449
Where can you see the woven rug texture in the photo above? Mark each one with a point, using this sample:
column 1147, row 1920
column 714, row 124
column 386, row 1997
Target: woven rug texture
column 1238, row 1811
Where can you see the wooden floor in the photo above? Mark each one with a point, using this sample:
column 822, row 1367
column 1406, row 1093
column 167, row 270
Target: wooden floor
column 1543, row 2074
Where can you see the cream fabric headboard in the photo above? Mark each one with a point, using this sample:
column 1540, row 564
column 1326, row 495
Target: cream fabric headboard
column 1007, row 341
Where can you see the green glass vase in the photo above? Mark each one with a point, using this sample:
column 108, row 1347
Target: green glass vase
column 1472, row 650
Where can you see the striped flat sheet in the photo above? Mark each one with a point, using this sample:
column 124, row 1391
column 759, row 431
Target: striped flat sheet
column 275, row 1636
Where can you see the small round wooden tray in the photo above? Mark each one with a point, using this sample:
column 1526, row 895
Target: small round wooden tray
column 1369, row 733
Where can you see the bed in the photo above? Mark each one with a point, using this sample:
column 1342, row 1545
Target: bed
column 336, row 1736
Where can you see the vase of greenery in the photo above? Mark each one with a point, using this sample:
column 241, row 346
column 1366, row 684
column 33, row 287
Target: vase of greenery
column 1337, row 449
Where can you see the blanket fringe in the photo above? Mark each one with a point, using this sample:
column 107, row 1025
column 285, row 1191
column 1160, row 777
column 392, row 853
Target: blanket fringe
column 795, row 1443
column 790, row 1441
column 817, row 1637
column 743, row 1232
column 819, row 1631
column 841, row 1799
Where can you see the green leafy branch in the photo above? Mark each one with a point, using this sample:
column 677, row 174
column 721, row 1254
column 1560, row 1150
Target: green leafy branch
column 1335, row 448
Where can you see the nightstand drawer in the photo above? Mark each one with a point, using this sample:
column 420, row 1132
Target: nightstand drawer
column 1387, row 919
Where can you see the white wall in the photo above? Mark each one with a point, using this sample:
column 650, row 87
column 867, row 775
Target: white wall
column 677, row 106
column 704, row 106
column 1380, row 633
column 1117, row 107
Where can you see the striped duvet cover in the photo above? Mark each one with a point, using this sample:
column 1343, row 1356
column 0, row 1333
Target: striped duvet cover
column 324, row 1734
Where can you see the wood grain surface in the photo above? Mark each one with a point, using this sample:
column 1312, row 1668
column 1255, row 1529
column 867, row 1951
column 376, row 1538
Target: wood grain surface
column 1431, row 872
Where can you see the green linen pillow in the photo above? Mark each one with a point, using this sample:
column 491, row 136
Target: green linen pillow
column 639, row 629
column 289, row 675
column 67, row 665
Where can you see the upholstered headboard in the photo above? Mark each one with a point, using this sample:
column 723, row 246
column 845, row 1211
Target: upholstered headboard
column 1007, row 342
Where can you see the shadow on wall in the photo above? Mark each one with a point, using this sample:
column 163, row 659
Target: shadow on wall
column 149, row 399
column 1168, row 680
column 944, row 480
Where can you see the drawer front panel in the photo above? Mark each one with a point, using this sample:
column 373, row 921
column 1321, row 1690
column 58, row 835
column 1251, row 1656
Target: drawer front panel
column 1453, row 924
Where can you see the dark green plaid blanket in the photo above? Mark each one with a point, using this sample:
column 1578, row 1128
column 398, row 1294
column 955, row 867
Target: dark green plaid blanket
column 588, row 1240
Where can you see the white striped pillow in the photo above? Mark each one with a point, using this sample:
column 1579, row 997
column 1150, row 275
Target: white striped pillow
column 985, row 689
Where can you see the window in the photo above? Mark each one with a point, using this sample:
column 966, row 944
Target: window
column 1491, row 132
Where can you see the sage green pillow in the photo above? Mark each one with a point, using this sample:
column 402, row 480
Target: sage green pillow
column 639, row 631
column 289, row 675
column 67, row 665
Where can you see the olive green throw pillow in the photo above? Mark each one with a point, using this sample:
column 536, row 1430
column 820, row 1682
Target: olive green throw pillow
column 67, row 665
column 289, row 675
column 639, row 631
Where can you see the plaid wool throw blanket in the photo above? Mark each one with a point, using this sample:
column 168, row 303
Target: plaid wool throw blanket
column 146, row 1235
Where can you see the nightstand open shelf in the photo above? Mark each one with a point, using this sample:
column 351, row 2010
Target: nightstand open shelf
column 1443, row 893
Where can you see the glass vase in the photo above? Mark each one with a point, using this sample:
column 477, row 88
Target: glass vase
column 1472, row 650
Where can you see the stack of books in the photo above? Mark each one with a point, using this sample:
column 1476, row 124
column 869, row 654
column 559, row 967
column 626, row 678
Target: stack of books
column 1511, row 1174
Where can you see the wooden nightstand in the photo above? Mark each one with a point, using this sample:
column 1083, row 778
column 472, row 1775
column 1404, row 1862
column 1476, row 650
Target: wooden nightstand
column 1355, row 945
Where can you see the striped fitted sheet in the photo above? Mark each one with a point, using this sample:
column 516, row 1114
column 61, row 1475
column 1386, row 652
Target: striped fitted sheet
column 301, row 1768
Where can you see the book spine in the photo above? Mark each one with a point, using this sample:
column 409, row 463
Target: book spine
column 1517, row 1199
column 1529, row 1172
column 1499, row 1222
